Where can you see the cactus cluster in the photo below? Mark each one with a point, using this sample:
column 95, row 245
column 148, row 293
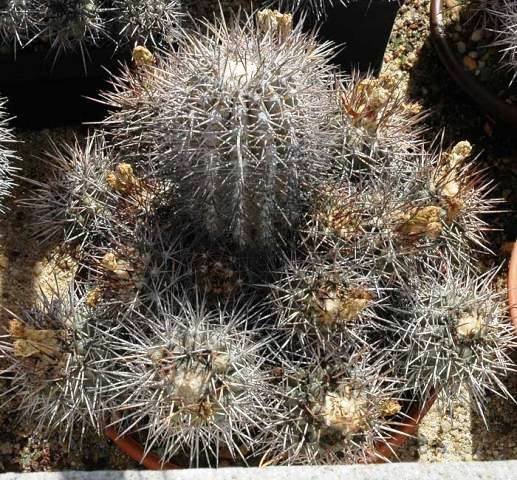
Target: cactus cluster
column 61, row 25
column 263, row 274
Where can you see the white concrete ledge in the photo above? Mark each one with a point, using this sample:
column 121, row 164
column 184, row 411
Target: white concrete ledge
column 503, row 470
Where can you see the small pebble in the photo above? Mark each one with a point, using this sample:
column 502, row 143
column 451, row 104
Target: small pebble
column 461, row 47
column 469, row 63
column 477, row 35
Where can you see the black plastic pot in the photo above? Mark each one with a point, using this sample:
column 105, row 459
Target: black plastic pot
column 363, row 28
column 44, row 93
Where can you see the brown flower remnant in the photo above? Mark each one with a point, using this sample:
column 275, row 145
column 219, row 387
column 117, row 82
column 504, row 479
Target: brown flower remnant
column 420, row 222
column 41, row 352
column 142, row 57
column 331, row 305
column 275, row 21
column 123, row 179
column 448, row 182
column 333, row 213
column 123, row 273
column 470, row 325
column 389, row 408
column 218, row 274
column 378, row 103
column 94, row 296
column 30, row 342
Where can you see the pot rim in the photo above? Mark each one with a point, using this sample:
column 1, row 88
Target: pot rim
column 494, row 106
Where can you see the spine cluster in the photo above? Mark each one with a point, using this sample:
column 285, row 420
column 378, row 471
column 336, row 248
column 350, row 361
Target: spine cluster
column 504, row 13
column 7, row 156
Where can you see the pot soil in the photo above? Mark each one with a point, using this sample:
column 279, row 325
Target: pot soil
column 494, row 106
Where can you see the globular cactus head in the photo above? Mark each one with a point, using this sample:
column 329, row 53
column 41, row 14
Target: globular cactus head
column 457, row 335
column 147, row 21
column 79, row 25
column 68, row 24
column 134, row 271
column 333, row 408
column 330, row 303
column 74, row 202
column 50, row 353
column 189, row 378
column 249, row 105
column 406, row 211
column 88, row 195
column 7, row 156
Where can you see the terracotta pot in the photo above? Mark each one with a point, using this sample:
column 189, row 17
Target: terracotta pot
column 490, row 103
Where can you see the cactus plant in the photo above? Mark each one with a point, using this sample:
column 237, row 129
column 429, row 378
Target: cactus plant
column 16, row 22
column 505, row 16
column 457, row 335
column 333, row 408
column 192, row 379
column 145, row 21
column 71, row 23
column 251, row 135
column 52, row 350
column 402, row 211
column 331, row 302
column 64, row 25
column 75, row 201
column 273, row 276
